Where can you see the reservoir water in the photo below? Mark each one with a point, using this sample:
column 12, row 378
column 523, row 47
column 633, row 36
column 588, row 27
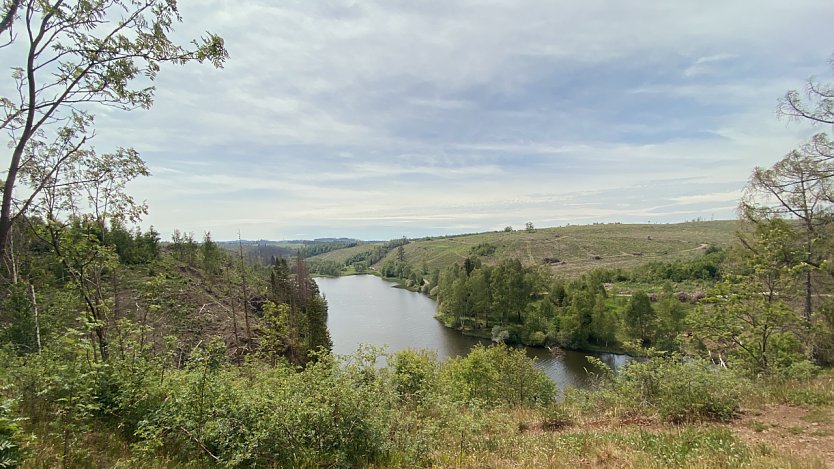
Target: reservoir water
column 364, row 309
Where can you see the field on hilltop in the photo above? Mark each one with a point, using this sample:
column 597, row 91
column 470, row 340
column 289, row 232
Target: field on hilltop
column 570, row 250
column 343, row 255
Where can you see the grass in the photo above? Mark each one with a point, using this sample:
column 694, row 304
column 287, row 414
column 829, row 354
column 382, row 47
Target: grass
column 341, row 255
column 512, row 444
column 796, row 430
column 616, row 246
column 819, row 416
column 818, row 392
column 757, row 426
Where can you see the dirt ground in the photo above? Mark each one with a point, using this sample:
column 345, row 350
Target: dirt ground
column 792, row 430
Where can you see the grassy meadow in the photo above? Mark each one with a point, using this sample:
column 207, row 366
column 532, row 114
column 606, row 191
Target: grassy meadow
column 578, row 249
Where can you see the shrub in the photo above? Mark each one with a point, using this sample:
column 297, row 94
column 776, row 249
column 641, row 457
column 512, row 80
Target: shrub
column 415, row 374
column 536, row 339
column 556, row 416
column 329, row 414
column 498, row 374
column 680, row 390
column 10, row 435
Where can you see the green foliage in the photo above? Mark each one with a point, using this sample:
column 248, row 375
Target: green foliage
column 18, row 322
column 822, row 334
column 498, row 375
column 11, row 435
column 316, row 248
column 325, row 267
column 556, row 416
column 639, row 317
column 329, row 414
column 65, row 391
column 133, row 247
column 275, row 337
column 707, row 267
column 184, row 247
column 671, row 314
column 483, row 249
column 316, row 334
column 415, row 375
column 752, row 329
column 350, row 412
column 212, row 256
column 678, row 390
column 295, row 314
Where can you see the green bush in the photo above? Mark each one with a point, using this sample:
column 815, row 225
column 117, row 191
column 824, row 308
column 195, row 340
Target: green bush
column 64, row 392
column 556, row 416
column 10, row 435
column 536, row 339
column 415, row 374
column 496, row 375
column 680, row 390
column 326, row 415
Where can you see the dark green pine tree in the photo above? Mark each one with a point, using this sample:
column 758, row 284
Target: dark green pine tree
column 318, row 337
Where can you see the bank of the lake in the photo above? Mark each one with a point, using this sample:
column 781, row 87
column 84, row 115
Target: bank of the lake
column 364, row 309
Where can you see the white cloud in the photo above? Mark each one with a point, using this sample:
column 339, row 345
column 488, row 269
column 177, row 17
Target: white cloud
column 729, row 196
column 394, row 117
column 705, row 65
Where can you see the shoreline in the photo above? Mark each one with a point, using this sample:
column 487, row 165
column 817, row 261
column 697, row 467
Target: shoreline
column 483, row 333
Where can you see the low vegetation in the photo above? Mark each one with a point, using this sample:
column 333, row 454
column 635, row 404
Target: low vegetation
column 492, row 407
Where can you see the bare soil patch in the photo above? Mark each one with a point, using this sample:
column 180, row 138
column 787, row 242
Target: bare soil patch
column 801, row 431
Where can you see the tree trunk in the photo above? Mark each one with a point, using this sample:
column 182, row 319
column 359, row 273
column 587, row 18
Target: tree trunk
column 808, row 294
column 8, row 190
column 245, row 291
column 37, row 320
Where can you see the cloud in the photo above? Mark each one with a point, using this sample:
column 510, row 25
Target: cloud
column 729, row 196
column 382, row 118
column 705, row 65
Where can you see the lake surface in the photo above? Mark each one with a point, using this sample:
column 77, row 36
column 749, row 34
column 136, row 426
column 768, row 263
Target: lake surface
column 364, row 309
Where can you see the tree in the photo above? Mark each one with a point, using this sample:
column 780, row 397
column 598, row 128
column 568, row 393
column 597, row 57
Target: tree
column 670, row 317
column 639, row 317
column 212, row 255
column 799, row 188
column 816, row 108
column 79, row 55
column 528, row 227
column 738, row 321
column 795, row 187
column 400, row 253
column 747, row 311
column 510, row 290
column 318, row 337
column 480, row 295
column 603, row 322
column 77, row 239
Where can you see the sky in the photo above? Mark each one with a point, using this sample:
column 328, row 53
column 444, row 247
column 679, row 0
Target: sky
column 387, row 118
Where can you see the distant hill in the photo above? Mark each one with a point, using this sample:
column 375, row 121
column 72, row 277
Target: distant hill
column 570, row 250
column 263, row 251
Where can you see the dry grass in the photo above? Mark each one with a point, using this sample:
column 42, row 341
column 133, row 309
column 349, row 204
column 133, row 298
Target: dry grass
column 579, row 248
